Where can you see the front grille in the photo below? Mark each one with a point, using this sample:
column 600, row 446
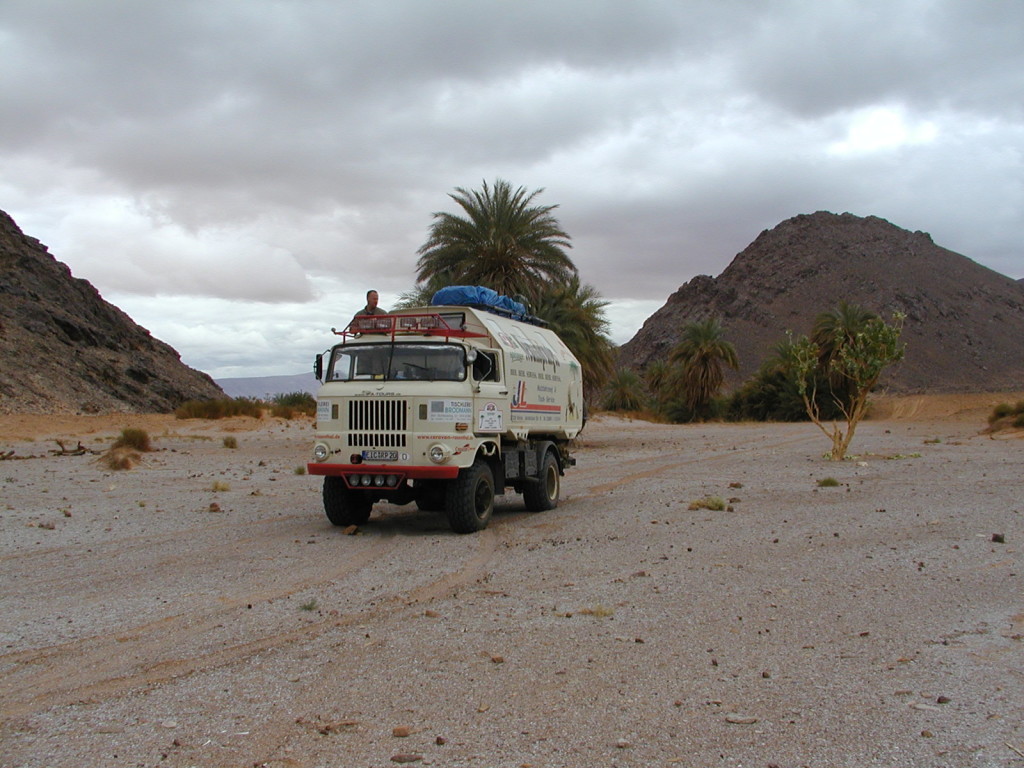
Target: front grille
column 376, row 440
column 377, row 423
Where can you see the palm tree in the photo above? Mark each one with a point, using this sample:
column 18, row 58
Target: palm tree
column 658, row 378
column 576, row 313
column 417, row 296
column 701, row 353
column 838, row 327
column 831, row 332
column 624, row 392
column 504, row 242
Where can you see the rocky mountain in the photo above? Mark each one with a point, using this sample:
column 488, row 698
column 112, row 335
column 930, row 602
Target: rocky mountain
column 64, row 349
column 964, row 327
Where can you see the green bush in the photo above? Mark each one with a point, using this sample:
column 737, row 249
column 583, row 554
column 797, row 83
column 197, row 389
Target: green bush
column 678, row 412
column 288, row 405
column 624, row 392
column 772, row 395
column 220, row 409
column 295, row 400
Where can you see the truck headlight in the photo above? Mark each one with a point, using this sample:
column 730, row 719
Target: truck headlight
column 438, row 453
column 321, row 452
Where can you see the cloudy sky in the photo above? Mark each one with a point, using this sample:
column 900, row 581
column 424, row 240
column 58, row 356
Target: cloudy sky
column 235, row 174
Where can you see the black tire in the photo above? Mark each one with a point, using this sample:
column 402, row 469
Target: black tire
column 431, row 497
column 470, row 499
column 344, row 506
column 542, row 494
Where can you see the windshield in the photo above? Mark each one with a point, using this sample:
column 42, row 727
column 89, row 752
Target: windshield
column 397, row 362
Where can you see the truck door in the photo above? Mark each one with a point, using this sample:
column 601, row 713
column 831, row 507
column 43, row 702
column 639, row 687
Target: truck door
column 490, row 399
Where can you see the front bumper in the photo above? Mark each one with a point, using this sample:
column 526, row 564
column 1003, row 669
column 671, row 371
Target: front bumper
column 402, row 473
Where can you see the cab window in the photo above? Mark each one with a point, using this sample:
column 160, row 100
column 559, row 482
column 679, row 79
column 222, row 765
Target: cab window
column 485, row 367
column 398, row 362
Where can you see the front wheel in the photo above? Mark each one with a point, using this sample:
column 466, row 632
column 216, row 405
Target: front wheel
column 470, row 499
column 343, row 505
column 541, row 494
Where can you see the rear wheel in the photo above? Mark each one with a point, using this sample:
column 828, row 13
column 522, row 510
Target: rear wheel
column 541, row 494
column 470, row 499
column 343, row 505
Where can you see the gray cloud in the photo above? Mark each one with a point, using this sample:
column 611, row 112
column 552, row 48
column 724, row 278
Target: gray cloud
column 287, row 155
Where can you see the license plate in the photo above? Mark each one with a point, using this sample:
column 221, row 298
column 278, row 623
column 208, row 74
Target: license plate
column 380, row 455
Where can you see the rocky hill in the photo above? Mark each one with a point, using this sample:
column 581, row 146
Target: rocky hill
column 64, row 349
column 964, row 328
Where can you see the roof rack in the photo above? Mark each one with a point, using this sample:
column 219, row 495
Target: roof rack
column 426, row 324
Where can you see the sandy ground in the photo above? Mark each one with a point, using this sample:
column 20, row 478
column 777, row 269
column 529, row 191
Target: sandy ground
column 199, row 609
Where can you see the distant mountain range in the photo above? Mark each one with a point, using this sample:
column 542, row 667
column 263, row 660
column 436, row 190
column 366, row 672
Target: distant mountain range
column 265, row 387
column 964, row 326
column 64, row 349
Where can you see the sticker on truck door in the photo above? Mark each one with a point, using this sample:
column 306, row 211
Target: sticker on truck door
column 490, row 419
column 450, row 410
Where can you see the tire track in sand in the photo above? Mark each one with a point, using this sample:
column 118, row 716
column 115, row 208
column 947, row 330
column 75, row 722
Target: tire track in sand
column 112, row 664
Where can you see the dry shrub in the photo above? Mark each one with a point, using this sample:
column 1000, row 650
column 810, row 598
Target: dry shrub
column 120, row 458
column 598, row 610
column 713, row 503
column 134, row 438
column 1006, row 416
column 1001, row 411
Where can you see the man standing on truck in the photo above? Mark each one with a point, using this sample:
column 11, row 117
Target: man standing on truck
column 371, row 307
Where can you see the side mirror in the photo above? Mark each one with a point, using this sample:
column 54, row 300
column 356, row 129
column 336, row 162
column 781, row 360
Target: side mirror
column 318, row 367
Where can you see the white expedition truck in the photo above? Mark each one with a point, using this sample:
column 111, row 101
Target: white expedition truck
column 445, row 405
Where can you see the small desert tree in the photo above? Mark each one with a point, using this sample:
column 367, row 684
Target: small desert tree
column 856, row 363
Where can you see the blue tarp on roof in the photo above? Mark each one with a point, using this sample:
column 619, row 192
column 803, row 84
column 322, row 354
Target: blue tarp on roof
column 478, row 296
